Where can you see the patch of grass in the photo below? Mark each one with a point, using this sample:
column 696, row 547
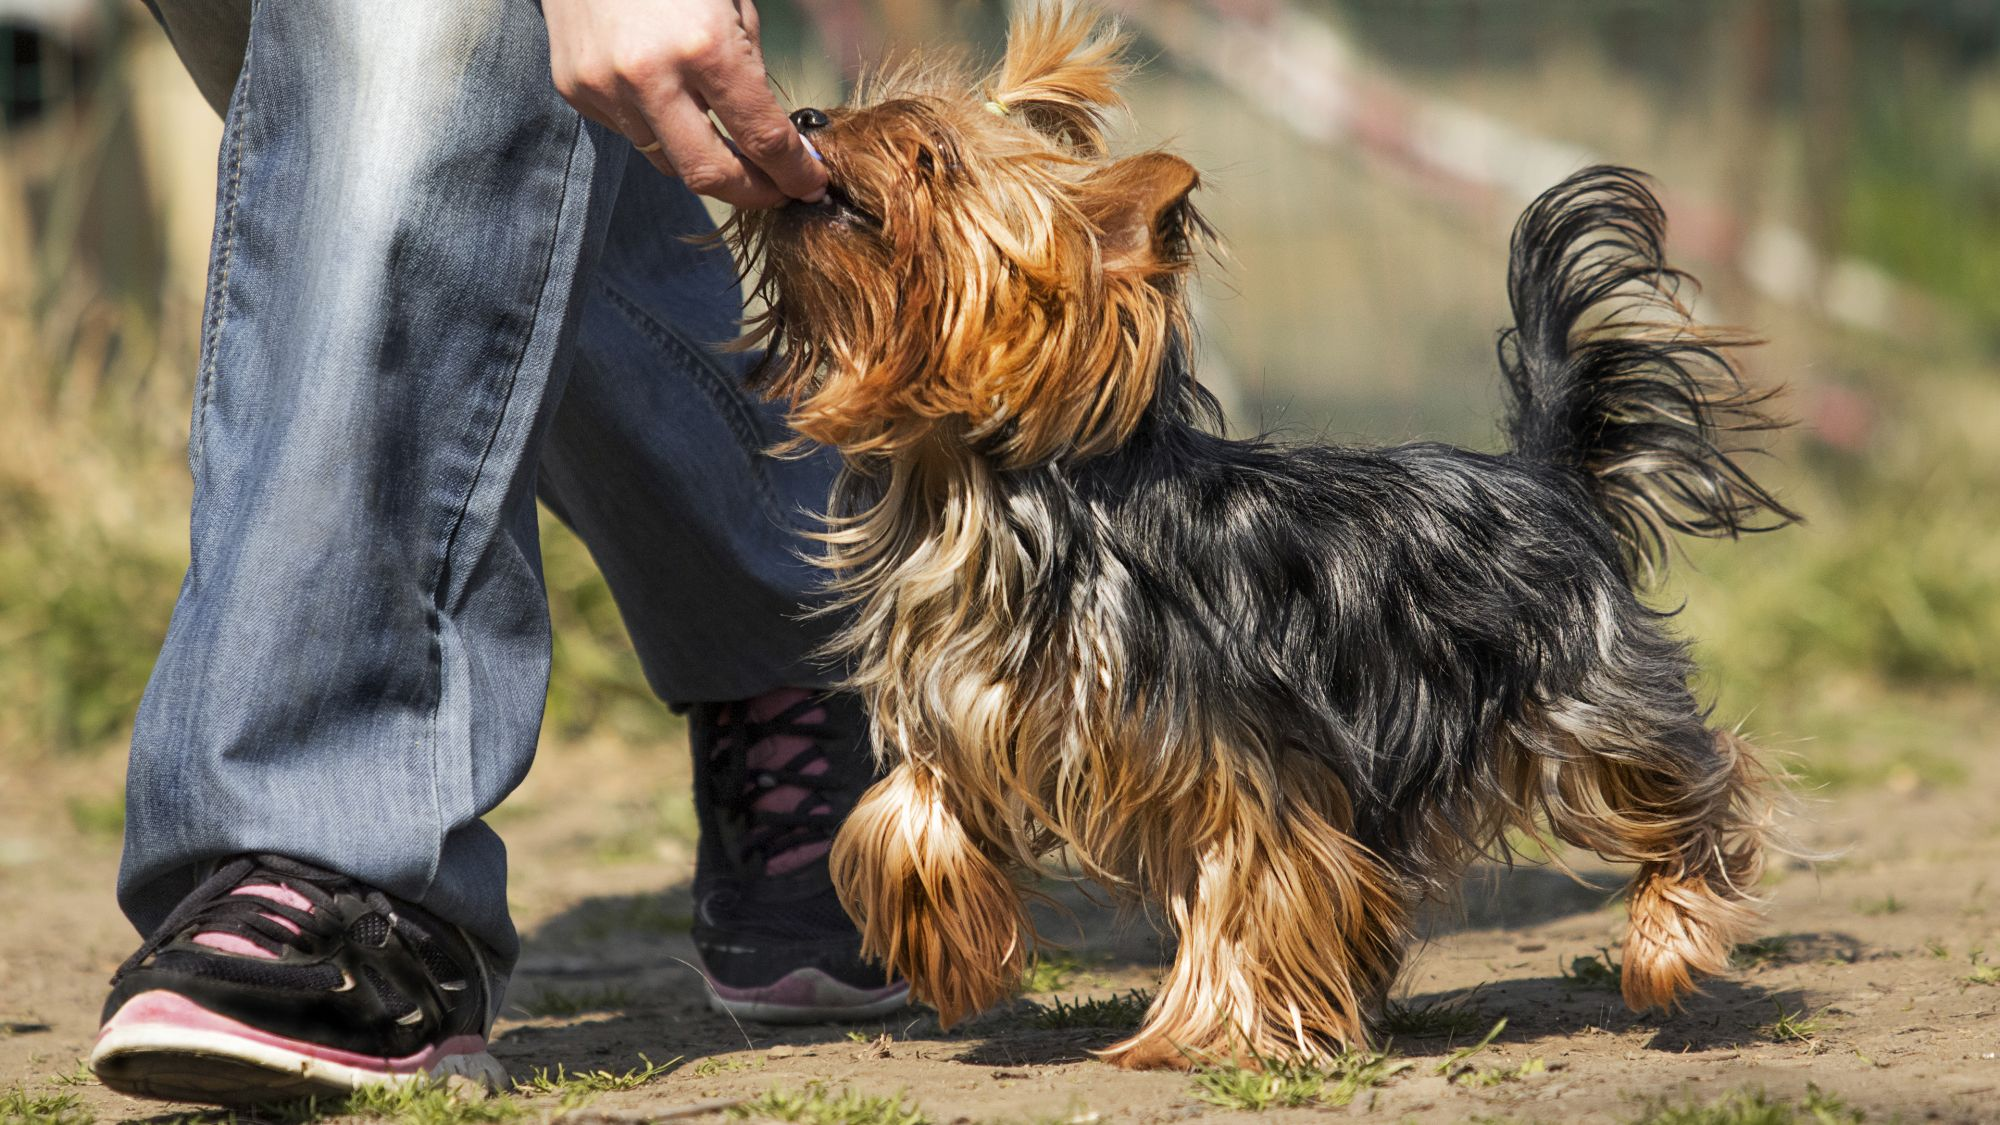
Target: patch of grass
column 1121, row 1012
column 1046, row 974
column 595, row 683
column 1436, row 1019
column 1457, row 1058
column 1755, row 1107
column 78, row 1075
column 418, row 1104
column 1594, row 970
column 561, row 1004
column 585, row 1082
column 1274, row 1084
column 100, row 818
column 1764, row 951
column 87, row 596
column 1793, row 1027
column 635, row 830
column 1457, row 1069
column 815, row 1105
column 1900, row 770
column 1529, row 847
column 1484, row 1077
column 1876, row 907
column 1937, row 949
column 1982, row 973
column 19, row 1107
column 640, row 914
column 1894, row 582
column 514, row 810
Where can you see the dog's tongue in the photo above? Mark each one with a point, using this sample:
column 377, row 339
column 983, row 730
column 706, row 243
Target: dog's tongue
column 244, row 947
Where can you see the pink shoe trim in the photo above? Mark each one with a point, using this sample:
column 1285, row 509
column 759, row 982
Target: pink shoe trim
column 776, row 752
column 172, row 1010
column 807, row 988
column 244, row 947
column 792, row 859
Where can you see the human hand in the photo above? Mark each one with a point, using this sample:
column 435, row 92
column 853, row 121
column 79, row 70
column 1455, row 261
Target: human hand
column 653, row 69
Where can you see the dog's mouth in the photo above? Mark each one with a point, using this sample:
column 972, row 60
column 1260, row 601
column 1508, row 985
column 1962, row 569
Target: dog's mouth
column 838, row 205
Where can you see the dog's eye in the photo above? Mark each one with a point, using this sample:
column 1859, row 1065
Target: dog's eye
column 938, row 157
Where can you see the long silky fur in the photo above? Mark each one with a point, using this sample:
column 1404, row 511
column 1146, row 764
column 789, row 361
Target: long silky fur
column 1276, row 693
column 1642, row 403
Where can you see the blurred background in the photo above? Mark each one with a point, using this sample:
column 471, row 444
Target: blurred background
column 1831, row 168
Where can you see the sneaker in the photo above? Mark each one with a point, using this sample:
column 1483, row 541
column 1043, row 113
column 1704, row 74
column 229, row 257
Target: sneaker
column 277, row 980
column 774, row 777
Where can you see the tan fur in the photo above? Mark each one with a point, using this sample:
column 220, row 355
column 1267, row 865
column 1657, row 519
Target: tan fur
column 1061, row 75
column 1011, row 305
column 1253, row 875
column 1290, row 932
column 1698, row 838
column 927, row 897
column 1689, row 913
column 1051, row 344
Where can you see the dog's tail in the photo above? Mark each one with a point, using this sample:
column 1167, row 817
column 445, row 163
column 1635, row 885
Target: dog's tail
column 1609, row 375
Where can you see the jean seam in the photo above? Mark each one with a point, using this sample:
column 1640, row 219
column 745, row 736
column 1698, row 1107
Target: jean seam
column 714, row 382
column 443, row 575
column 225, row 257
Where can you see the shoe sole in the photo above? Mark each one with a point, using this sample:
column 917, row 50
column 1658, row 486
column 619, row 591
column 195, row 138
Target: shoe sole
column 163, row 1045
column 807, row 996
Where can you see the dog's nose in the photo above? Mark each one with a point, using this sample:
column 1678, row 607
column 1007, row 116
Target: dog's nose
column 808, row 119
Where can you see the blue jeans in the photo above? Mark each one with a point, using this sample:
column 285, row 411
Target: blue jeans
column 436, row 292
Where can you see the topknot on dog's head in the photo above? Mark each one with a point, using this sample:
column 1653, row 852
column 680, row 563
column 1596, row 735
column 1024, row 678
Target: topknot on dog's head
column 1061, row 75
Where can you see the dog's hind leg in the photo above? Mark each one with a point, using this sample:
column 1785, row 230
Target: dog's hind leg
column 930, row 901
column 1628, row 767
column 1290, row 931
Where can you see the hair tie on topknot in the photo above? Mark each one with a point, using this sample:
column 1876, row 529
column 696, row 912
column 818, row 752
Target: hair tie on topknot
column 997, row 108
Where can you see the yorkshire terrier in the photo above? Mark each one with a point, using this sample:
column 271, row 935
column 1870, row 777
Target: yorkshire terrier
column 1277, row 693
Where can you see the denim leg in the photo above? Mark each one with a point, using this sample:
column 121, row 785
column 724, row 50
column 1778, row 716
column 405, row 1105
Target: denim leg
column 659, row 460
column 356, row 666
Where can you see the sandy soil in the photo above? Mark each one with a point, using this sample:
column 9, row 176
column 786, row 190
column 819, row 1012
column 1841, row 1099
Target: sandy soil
column 1880, row 947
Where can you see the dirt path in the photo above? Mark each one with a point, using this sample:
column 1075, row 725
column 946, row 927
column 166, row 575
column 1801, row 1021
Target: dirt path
column 1876, row 954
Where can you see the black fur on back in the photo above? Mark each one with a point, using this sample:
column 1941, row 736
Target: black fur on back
column 1399, row 613
column 1607, row 374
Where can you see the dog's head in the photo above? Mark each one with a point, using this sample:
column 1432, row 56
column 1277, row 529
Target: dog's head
column 981, row 267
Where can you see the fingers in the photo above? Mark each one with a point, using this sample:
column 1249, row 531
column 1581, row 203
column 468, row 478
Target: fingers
column 692, row 149
column 626, row 65
column 655, row 153
column 730, row 79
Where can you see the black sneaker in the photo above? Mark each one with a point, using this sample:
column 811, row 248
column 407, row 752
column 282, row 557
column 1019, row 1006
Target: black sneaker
column 277, row 980
column 774, row 777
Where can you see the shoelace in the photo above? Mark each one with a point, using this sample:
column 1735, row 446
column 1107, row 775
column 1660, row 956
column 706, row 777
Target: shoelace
column 267, row 923
column 742, row 786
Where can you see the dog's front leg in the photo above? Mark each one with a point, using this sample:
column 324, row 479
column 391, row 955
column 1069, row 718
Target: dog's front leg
column 929, row 899
column 1290, row 933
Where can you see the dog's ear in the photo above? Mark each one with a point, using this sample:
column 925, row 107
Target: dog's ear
column 1139, row 206
column 1061, row 75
